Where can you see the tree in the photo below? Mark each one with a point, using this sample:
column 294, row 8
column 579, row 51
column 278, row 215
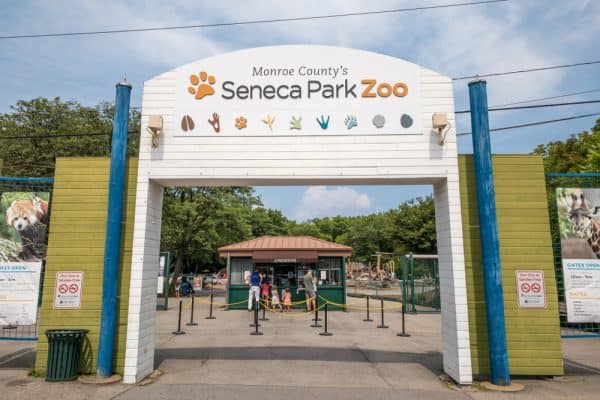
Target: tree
column 579, row 153
column 33, row 134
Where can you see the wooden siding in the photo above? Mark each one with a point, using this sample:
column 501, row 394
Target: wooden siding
column 76, row 243
column 533, row 335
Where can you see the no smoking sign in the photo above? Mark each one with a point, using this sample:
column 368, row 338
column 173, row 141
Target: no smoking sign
column 530, row 289
column 67, row 293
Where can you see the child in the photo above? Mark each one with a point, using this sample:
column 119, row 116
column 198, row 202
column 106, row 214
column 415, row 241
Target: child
column 275, row 302
column 287, row 300
column 265, row 292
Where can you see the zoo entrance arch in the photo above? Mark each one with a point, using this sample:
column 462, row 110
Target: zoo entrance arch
column 297, row 115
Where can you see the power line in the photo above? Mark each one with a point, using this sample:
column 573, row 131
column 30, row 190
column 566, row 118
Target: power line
column 573, row 103
column 249, row 22
column 547, row 98
column 527, row 70
column 550, row 121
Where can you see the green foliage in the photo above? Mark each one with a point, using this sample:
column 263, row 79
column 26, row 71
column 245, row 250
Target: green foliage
column 579, row 153
column 24, row 144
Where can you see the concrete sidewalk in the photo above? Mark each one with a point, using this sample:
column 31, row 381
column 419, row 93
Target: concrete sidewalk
column 218, row 359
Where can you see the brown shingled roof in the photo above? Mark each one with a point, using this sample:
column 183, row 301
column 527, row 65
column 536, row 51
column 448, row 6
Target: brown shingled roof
column 285, row 243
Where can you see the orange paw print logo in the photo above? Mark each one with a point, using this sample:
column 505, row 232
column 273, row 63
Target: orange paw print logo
column 241, row 122
column 200, row 86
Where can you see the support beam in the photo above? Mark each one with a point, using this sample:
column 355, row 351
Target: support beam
column 112, row 246
column 488, row 228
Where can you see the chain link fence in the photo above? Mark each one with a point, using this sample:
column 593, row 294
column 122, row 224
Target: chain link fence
column 567, row 180
column 13, row 246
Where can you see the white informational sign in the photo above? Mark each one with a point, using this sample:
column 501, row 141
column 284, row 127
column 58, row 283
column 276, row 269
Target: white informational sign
column 323, row 275
column 530, row 289
column 582, row 290
column 67, row 292
column 578, row 221
column 19, row 291
column 298, row 90
column 161, row 274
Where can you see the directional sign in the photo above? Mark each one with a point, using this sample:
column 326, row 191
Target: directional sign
column 67, row 293
column 530, row 289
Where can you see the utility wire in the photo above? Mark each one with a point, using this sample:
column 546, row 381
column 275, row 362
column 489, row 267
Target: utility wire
column 574, row 103
column 249, row 22
column 547, row 98
column 527, row 70
column 550, row 121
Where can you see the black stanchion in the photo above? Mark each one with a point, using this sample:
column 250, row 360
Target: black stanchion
column 403, row 333
column 210, row 316
column 325, row 332
column 382, row 325
column 368, row 319
column 316, row 308
column 316, row 319
column 179, row 331
column 264, row 316
column 192, row 323
column 255, row 332
column 255, row 311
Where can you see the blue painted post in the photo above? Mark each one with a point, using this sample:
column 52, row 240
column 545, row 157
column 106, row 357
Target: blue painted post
column 488, row 231
column 112, row 247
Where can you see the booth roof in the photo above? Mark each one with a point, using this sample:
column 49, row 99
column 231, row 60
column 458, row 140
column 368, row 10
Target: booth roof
column 286, row 243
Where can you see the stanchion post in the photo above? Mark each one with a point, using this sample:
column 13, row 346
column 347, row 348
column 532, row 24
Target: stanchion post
column 264, row 309
column 316, row 319
column 325, row 332
column 179, row 331
column 383, row 325
column 192, row 323
column 368, row 319
column 403, row 333
column 254, row 313
column 210, row 314
column 255, row 332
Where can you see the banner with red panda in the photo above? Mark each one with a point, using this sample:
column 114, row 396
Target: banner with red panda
column 23, row 232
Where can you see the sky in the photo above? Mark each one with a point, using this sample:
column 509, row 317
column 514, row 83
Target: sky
column 456, row 42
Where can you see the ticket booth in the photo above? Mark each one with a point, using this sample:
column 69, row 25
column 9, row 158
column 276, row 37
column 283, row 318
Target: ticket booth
column 284, row 260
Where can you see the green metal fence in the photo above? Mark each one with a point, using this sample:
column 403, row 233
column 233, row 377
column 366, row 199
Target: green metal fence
column 11, row 248
column 567, row 180
column 420, row 282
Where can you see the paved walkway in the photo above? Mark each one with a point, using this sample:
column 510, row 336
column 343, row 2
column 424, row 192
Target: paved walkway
column 218, row 359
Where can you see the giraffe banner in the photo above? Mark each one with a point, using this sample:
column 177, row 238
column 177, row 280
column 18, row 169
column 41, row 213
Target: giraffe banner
column 579, row 224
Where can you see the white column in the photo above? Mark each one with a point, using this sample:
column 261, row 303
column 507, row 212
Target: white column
column 139, row 353
column 453, row 289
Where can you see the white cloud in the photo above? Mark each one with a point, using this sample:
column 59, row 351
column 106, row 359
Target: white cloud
column 321, row 201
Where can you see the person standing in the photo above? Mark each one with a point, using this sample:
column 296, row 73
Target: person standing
column 309, row 290
column 255, row 282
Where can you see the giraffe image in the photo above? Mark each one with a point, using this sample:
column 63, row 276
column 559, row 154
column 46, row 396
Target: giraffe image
column 584, row 225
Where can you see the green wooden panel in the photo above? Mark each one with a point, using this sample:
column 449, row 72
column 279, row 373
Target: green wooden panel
column 533, row 335
column 76, row 243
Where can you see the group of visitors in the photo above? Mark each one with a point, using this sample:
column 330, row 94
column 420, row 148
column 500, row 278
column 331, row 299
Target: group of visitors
column 261, row 288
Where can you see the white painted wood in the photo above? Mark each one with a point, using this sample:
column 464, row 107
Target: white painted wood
column 278, row 158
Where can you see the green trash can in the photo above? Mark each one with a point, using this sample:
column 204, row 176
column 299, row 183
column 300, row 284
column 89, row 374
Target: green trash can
column 64, row 351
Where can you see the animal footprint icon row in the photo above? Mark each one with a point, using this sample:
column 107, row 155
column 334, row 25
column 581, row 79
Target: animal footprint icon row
column 241, row 122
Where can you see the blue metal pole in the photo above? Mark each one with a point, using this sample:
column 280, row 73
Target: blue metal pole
column 488, row 230
column 112, row 247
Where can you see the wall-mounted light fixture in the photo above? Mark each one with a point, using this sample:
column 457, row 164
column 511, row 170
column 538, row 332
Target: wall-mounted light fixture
column 155, row 127
column 441, row 125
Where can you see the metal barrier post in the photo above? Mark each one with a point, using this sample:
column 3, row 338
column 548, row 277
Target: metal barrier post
column 210, row 316
column 179, row 331
column 192, row 323
column 255, row 304
column 368, row 319
column 403, row 333
column 316, row 319
column 383, row 325
column 325, row 332
column 264, row 309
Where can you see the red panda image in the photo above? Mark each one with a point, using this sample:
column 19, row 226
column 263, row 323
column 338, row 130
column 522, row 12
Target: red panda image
column 30, row 218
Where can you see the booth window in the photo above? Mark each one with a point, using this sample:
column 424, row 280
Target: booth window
column 240, row 268
column 284, row 275
column 330, row 271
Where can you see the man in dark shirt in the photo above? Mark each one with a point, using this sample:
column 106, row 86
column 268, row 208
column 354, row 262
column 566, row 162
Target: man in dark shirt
column 255, row 282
